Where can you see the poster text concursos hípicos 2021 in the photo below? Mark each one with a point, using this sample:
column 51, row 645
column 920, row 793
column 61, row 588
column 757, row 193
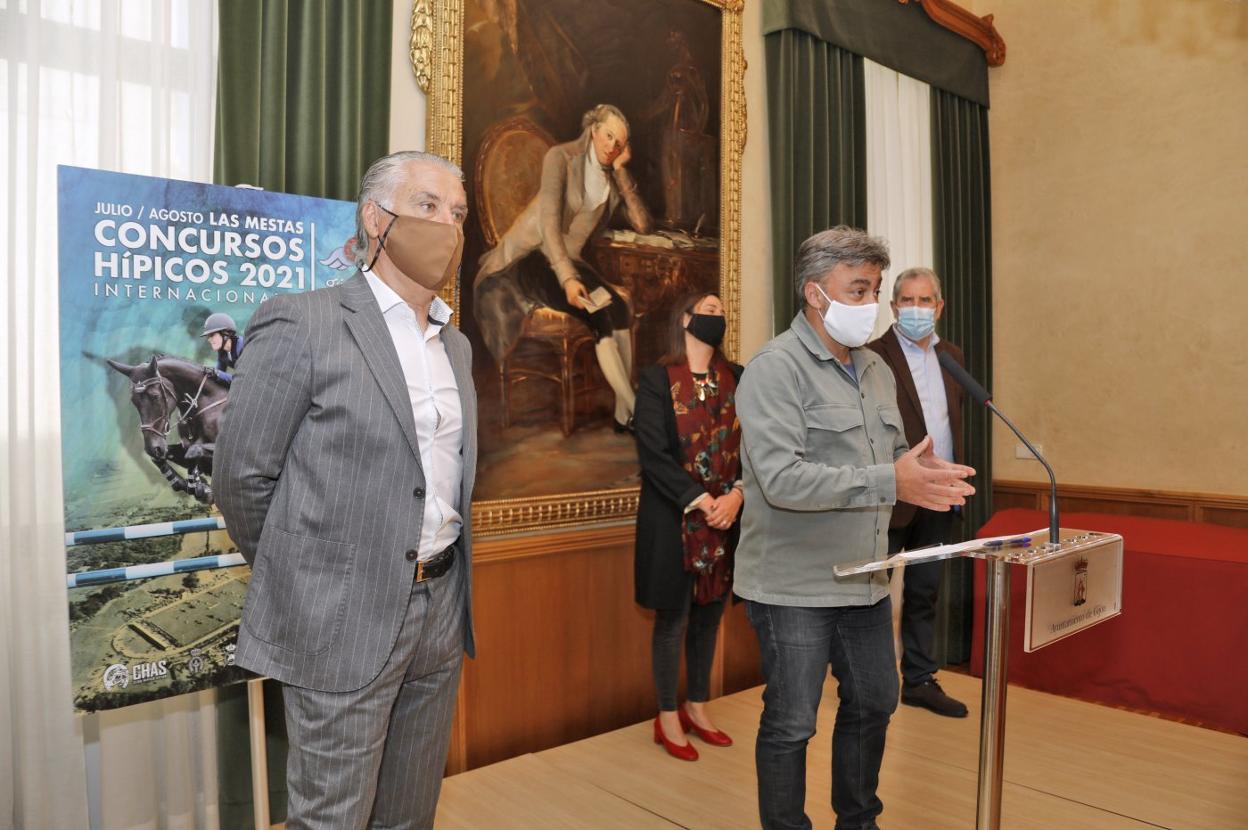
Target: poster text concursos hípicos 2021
column 148, row 265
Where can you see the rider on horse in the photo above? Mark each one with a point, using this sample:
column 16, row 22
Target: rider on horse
column 175, row 394
column 223, row 337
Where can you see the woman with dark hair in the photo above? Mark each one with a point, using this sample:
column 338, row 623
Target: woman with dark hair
column 689, row 443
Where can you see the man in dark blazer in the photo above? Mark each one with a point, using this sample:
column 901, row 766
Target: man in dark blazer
column 931, row 404
column 344, row 470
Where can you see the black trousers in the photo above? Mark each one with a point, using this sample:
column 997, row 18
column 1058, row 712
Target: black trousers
column 538, row 281
column 697, row 626
column 918, row 598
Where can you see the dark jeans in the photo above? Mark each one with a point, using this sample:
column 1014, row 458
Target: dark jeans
column 797, row 646
column 699, row 637
column 918, row 596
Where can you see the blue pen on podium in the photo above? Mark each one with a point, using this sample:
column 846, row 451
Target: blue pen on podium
column 1019, row 542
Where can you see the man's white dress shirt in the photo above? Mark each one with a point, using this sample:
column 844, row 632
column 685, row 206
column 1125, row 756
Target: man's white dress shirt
column 930, row 383
column 434, row 396
column 596, row 185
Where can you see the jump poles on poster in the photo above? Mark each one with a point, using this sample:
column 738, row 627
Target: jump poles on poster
column 255, row 687
column 103, row 535
column 176, row 566
column 100, row 535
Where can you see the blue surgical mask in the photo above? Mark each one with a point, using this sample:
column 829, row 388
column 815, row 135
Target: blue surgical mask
column 916, row 322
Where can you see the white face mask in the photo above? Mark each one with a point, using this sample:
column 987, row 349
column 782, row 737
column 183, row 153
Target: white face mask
column 849, row 325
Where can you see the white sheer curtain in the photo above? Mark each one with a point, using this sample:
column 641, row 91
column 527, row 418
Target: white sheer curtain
column 899, row 198
column 125, row 85
column 899, row 172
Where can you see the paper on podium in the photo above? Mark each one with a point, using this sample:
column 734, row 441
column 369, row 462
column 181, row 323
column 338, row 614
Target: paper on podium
column 937, row 552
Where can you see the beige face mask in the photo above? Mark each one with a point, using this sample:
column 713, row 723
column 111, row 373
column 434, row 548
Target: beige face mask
column 427, row 253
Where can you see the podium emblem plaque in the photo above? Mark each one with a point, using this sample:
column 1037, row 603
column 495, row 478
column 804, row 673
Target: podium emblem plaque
column 1072, row 587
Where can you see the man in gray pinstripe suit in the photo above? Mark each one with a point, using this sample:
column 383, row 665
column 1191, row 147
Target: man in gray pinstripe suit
column 344, row 470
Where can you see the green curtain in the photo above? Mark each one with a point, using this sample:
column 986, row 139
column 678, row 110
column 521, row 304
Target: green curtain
column 961, row 216
column 303, row 93
column 303, row 106
column 901, row 36
column 817, row 127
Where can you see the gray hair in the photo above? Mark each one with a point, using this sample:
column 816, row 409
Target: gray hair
column 914, row 274
column 841, row 245
column 378, row 185
column 600, row 113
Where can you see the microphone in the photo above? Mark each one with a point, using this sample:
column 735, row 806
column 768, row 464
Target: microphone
column 981, row 395
column 984, row 397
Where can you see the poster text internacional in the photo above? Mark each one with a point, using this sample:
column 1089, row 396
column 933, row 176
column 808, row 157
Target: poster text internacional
column 158, row 279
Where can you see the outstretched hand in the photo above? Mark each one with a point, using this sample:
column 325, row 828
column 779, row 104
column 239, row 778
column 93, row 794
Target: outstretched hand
column 925, row 480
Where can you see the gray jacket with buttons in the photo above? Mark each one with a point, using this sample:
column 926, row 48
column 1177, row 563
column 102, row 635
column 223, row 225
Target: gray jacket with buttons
column 318, row 475
column 817, row 457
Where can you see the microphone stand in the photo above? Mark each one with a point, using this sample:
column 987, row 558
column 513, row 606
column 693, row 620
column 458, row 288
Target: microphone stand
column 983, row 396
column 996, row 652
column 1054, row 531
column 996, row 629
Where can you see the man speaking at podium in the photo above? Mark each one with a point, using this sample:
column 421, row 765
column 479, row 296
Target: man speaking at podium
column 344, row 470
column 824, row 457
column 931, row 404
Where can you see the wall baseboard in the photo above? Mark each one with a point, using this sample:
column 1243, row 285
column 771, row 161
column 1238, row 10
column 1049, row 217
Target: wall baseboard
column 1212, row 508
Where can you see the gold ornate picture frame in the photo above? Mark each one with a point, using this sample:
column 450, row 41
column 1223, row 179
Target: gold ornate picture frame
column 437, row 52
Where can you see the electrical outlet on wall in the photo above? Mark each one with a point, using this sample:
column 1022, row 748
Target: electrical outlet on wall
column 1022, row 452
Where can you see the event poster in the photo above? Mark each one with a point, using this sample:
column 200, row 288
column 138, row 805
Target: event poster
column 158, row 279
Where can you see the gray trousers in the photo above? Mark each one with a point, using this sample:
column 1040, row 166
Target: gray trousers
column 374, row 757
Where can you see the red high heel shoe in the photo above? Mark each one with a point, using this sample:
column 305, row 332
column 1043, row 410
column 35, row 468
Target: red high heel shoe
column 712, row 736
column 684, row 753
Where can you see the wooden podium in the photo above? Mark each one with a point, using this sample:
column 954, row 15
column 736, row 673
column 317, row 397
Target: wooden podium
column 1071, row 585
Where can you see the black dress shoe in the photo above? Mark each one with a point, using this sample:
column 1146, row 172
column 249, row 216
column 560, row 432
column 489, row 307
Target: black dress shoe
column 929, row 695
column 620, row 429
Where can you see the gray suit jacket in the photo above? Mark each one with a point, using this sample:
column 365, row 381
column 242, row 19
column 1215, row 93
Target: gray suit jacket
column 317, row 473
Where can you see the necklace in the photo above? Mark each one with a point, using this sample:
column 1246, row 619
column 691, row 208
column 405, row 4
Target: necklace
column 705, row 385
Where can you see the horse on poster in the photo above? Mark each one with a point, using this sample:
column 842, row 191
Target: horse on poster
column 170, row 392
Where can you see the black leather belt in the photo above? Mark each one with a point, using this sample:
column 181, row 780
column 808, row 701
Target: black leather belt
column 435, row 566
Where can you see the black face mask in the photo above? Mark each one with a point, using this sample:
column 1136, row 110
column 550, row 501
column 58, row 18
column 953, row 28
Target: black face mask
column 709, row 328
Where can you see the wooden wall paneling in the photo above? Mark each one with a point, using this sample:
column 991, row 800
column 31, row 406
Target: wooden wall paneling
column 1228, row 510
column 563, row 651
column 528, row 689
column 742, row 667
column 621, row 684
column 1122, row 507
column 1004, row 499
column 1228, row 516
